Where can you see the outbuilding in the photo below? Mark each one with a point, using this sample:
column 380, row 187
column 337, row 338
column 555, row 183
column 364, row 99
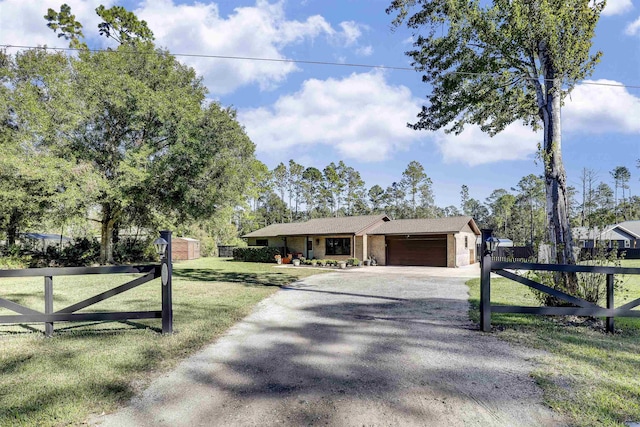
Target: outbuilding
column 184, row 248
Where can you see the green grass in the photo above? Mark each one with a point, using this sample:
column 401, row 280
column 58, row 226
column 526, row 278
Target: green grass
column 587, row 375
column 89, row 368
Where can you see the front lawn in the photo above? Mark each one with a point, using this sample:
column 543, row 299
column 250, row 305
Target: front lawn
column 587, row 375
column 93, row 367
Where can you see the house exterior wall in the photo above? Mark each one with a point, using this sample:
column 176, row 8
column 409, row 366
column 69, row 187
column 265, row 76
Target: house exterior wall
column 319, row 249
column 377, row 249
column 451, row 250
column 273, row 242
column 296, row 245
column 465, row 255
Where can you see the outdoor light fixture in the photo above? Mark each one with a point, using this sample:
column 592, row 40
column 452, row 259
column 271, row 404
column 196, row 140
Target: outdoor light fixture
column 161, row 246
column 492, row 244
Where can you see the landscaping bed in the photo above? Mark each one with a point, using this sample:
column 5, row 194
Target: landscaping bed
column 587, row 375
column 89, row 368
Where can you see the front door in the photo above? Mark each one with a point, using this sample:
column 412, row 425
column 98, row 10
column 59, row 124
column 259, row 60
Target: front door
column 309, row 248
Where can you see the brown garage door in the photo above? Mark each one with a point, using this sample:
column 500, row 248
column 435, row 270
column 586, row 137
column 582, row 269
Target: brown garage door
column 417, row 250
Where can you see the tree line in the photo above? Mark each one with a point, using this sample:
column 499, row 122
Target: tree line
column 291, row 192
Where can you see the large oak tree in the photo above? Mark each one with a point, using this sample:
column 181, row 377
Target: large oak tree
column 160, row 152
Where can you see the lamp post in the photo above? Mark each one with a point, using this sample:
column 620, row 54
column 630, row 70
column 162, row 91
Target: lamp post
column 163, row 248
column 488, row 245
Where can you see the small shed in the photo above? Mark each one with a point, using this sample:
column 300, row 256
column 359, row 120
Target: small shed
column 185, row 248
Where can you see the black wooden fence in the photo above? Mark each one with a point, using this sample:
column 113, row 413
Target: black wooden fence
column 513, row 253
column 70, row 313
column 628, row 253
column 580, row 307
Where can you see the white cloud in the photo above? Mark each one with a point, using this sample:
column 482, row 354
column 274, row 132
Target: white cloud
column 258, row 31
column 365, row 50
column 596, row 108
column 617, row 7
column 22, row 21
column 590, row 109
column 360, row 116
column 351, row 32
column 474, row 147
column 633, row 28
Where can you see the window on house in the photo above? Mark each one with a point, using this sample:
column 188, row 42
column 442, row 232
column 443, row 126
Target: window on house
column 262, row 242
column 466, row 242
column 338, row 246
column 309, row 245
column 627, row 244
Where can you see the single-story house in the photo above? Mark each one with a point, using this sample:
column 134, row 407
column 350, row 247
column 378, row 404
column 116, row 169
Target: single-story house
column 439, row 242
column 623, row 235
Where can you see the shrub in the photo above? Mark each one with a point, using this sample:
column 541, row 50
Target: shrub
column 130, row 250
column 14, row 262
column 263, row 254
column 81, row 252
column 353, row 261
column 591, row 286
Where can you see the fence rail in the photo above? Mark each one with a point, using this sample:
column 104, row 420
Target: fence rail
column 69, row 313
column 580, row 307
column 512, row 253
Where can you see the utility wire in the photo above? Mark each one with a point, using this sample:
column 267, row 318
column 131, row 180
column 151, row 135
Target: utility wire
column 197, row 55
column 295, row 61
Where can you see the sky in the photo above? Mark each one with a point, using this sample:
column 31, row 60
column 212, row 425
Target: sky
column 316, row 114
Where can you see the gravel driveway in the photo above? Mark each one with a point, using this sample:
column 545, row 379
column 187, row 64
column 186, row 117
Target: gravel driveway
column 375, row 346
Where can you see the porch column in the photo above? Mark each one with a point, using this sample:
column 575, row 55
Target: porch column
column 353, row 247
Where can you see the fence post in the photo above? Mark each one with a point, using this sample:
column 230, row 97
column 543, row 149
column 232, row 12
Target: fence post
column 167, row 272
column 48, row 304
column 485, row 283
column 610, row 320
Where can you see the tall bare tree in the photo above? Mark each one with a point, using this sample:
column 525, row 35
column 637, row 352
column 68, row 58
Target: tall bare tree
column 497, row 62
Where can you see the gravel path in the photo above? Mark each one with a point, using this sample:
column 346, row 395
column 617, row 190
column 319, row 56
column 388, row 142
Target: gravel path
column 375, row 347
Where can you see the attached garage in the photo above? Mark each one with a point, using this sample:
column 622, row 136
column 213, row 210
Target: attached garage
column 417, row 250
column 429, row 242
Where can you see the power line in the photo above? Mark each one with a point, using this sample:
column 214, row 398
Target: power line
column 245, row 58
column 294, row 61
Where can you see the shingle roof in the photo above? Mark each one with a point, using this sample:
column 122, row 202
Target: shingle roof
column 631, row 227
column 451, row 224
column 339, row 225
column 621, row 231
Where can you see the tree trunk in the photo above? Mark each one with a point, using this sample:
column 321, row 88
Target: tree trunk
column 107, row 225
column 559, row 231
column 13, row 226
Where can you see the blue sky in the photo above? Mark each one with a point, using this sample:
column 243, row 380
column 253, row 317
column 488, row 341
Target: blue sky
column 317, row 114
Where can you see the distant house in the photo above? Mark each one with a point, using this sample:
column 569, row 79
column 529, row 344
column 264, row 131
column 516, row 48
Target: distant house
column 42, row 241
column 503, row 242
column 623, row 235
column 440, row 242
